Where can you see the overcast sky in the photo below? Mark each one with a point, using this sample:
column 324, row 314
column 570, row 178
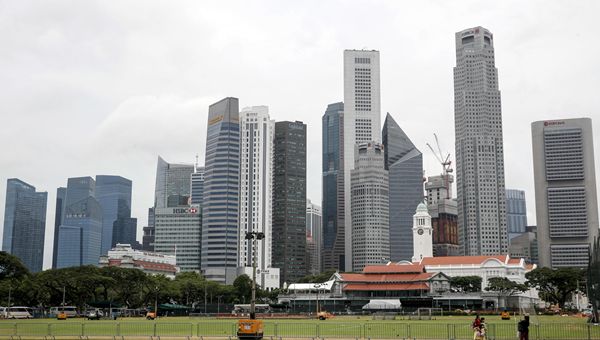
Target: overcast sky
column 104, row 87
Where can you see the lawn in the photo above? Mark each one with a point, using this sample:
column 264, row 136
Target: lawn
column 447, row 327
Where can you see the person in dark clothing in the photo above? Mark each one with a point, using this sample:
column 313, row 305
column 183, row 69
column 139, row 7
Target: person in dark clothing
column 523, row 328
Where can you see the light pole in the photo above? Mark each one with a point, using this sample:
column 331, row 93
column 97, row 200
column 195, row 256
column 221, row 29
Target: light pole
column 254, row 236
column 317, row 286
column 219, row 304
column 156, row 302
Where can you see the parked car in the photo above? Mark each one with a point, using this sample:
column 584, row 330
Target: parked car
column 19, row 313
column 68, row 311
column 94, row 314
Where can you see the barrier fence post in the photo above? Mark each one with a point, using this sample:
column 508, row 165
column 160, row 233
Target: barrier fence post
column 154, row 327
column 82, row 328
column 589, row 332
column 318, row 330
column 408, row 330
column 276, row 331
column 15, row 328
column 49, row 329
column 537, row 331
column 118, row 328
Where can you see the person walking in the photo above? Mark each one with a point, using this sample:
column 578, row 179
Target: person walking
column 523, row 328
column 476, row 325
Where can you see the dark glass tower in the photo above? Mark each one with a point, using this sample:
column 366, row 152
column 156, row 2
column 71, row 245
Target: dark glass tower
column 114, row 195
column 25, row 223
column 405, row 165
column 289, row 201
column 221, row 192
column 333, row 187
column 61, row 194
column 80, row 233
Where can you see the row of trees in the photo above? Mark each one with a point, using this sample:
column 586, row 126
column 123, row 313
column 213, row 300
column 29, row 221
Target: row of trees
column 555, row 286
column 130, row 288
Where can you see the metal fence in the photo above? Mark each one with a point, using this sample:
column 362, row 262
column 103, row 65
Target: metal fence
column 324, row 330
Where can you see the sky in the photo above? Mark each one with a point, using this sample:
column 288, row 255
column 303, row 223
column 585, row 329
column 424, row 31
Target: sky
column 105, row 87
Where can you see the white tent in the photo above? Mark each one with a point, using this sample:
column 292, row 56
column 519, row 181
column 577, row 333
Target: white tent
column 383, row 304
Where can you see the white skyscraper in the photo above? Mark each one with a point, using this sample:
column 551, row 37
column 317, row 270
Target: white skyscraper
column 479, row 146
column 362, row 120
column 256, row 181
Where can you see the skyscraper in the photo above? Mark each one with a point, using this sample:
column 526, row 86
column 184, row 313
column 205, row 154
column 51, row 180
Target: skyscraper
column 197, row 185
column 370, row 207
column 61, row 194
column 25, row 223
column 404, row 163
column 80, row 232
column 289, row 201
column 362, row 120
column 314, row 238
column 221, row 192
column 516, row 213
column 333, row 188
column 442, row 209
column 178, row 231
column 114, row 196
column 479, row 146
column 148, row 236
column 256, row 189
column 566, row 202
column 173, row 184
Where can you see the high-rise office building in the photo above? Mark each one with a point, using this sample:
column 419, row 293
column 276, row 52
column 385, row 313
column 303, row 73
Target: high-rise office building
column 61, row 194
column 173, row 184
column 370, row 207
column 516, row 213
column 148, row 236
column 333, row 188
column 221, row 192
column 479, row 146
column 197, row 185
column 256, row 192
column 442, row 209
column 404, row 163
column 314, row 238
column 114, row 196
column 566, row 202
column 80, row 233
column 178, row 231
column 362, row 120
column 289, row 201
column 25, row 223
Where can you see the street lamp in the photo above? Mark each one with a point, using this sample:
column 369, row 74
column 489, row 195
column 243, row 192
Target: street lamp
column 219, row 304
column 254, row 236
column 317, row 286
column 156, row 302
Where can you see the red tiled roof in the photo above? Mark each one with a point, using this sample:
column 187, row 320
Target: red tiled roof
column 382, row 278
column 387, row 286
column 475, row 260
column 394, row 268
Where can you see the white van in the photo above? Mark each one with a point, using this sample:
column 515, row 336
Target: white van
column 3, row 311
column 71, row 311
column 19, row 313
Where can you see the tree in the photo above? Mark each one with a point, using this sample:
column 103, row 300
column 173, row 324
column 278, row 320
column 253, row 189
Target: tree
column 11, row 267
column 555, row 285
column 505, row 287
column 466, row 284
column 593, row 280
column 243, row 288
column 191, row 287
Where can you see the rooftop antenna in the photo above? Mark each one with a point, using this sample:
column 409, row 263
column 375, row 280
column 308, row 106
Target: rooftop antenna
column 445, row 161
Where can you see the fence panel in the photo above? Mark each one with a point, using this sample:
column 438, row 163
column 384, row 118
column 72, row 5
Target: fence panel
column 7, row 329
column 136, row 328
column 216, row 329
column 551, row 331
column 340, row 330
column 37, row 329
column 174, row 329
column 593, row 331
column 385, row 330
column 101, row 328
column 420, row 330
column 296, row 330
column 65, row 329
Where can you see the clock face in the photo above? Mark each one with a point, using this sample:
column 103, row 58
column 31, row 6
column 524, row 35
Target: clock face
column 420, row 231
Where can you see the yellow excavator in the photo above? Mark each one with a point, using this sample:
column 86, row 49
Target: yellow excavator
column 252, row 329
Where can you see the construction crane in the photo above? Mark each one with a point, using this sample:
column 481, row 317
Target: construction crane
column 445, row 161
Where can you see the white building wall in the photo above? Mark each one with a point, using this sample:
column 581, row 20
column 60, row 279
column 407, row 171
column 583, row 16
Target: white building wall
column 362, row 119
column 256, row 181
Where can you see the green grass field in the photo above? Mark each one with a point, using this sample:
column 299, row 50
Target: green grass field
column 447, row 327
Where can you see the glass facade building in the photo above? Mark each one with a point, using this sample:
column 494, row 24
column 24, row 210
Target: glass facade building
column 516, row 213
column 289, row 201
column 173, row 184
column 220, row 205
column 25, row 223
column 61, row 194
column 114, row 196
column 404, row 163
column 197, row 186
column 333, row 187
column 179, row 232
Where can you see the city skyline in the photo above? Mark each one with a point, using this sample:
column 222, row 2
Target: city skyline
column 133, row 121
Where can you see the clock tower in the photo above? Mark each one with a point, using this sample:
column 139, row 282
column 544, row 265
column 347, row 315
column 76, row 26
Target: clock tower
column 422, row 230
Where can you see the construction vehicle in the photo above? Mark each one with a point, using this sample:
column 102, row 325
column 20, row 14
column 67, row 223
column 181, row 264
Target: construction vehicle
column 252, row 328
column 324, row 315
